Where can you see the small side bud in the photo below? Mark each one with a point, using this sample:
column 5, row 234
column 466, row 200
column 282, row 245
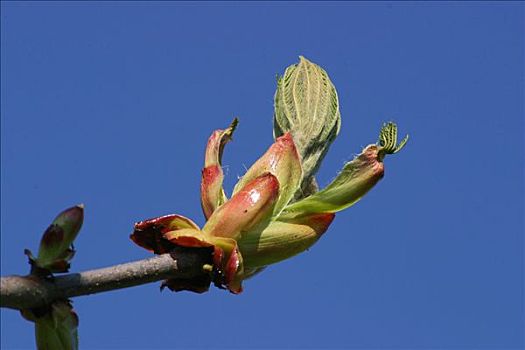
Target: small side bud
column 56, row 249
column 58, row 328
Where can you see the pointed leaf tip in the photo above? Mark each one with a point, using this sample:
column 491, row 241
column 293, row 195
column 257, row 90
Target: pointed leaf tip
column 234, row 124
column 212, row 192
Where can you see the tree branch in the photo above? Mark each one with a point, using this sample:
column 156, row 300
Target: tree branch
column 24, row 292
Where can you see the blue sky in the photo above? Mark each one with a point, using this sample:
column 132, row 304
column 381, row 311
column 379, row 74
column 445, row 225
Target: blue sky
column 110, row 104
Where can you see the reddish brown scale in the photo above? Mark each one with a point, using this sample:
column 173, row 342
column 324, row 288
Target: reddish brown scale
column 160, row 221
column 148, row 234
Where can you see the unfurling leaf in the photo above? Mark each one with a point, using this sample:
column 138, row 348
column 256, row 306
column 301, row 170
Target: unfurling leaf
column 354, row 181
column 388, row 139
column 307, row 106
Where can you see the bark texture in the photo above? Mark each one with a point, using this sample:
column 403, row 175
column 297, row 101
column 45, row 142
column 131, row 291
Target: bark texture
column 25, row 292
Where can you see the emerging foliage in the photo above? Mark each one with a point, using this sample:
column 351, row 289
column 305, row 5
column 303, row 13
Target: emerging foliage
column 274, row 212
column 306, row 105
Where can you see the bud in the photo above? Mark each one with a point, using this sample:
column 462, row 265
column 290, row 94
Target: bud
column 212, row 193
column 56, row 250
column 306, row 104
column 275, row 211
column 56, row 326
column 354, row 181
column 281, row 160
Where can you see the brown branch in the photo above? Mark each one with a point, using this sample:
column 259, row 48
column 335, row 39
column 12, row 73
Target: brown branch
column 24, row 292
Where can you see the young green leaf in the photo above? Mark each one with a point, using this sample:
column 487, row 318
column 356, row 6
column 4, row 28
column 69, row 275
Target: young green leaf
column 307, row 106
